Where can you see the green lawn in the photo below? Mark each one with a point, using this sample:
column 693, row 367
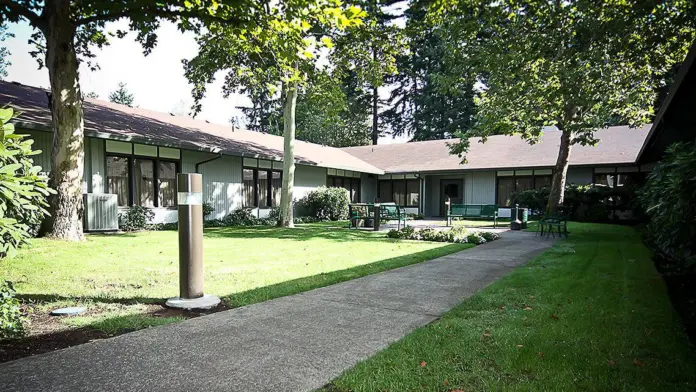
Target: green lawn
column 589, row 314
column 114, row 275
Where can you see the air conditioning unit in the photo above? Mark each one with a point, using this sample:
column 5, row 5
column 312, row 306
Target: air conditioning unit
column 101, row 212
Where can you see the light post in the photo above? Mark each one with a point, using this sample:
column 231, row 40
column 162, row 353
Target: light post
column 190, row 206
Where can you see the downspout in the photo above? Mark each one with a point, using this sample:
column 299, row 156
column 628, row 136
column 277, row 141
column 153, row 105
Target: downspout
column 215, row 158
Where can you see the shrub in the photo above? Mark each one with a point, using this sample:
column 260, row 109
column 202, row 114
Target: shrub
column 240, row 217
column 476, row 238
column 325, row 204
column 488, row 236
column 207, row 210
column 136, row 218
column 11, row 320
column 456, row 234
column 669, row 200
column 23, row 190
column 305, row 219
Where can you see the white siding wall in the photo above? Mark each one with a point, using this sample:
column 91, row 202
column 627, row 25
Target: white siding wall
column 579, row 175
column 481, row 190
column 308, row 178
column 96, row 162
column 42, row 141
column 222, row 180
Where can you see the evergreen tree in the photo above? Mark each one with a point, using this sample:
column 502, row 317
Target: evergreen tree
column 122, row 95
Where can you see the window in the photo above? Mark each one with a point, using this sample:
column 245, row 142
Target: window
column 606, row 179
column 167, row 184
column 399, row 189
column 506, row 187
column 412, row 192
column 385, row 192
column 511, row 181
column 352, row 185
column 144, row 181
column 118, row 178
column 261, row 187
column 141, row 181
column 276, row 186
column 403, row 192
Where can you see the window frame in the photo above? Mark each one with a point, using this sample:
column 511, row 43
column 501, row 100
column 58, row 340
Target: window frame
column 131, row 179
column 403, row 181
column 346, row 183
column 269, row 186
column 515, row 176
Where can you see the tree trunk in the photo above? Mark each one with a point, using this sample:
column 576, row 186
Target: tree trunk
column 559, row 175
column 68, row 153
column 286, row 194
column 375, row 119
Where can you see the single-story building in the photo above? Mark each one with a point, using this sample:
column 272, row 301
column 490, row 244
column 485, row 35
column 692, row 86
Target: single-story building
column 135, row 154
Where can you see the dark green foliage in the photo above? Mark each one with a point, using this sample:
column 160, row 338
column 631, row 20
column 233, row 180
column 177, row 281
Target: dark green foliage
column 240, row 217
column 23, row 190
column 432, row 100
column 136, row 218
column 587, row 203
column 4, row 53
column 11, row 320
column 669, row 200
column 325, row 204
column 207, row 209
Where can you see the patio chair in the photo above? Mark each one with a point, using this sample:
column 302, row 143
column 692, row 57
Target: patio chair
column 550, row 222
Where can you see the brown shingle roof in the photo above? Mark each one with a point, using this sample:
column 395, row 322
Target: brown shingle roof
column 109, row 120
column 618, row 145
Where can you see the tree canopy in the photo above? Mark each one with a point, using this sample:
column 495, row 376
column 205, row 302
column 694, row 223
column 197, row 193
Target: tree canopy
column 4, row 53
column 576, row 65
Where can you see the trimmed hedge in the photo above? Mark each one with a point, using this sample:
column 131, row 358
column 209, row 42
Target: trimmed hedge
column 325, row 204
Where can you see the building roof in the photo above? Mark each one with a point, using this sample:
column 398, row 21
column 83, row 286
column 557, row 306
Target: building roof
column 120, row 122
column 676, row 119
column 618, row 145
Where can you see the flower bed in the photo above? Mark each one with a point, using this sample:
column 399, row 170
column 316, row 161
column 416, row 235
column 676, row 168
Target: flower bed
column 455, row 235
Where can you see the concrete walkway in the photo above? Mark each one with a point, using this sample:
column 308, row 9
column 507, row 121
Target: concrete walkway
column 295, row 343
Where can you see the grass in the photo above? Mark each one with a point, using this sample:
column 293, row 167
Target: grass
column 589, row 314
column 242, row 265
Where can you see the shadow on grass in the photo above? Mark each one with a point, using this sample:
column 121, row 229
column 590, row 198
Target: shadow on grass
column 300, row 285
column 92, row 327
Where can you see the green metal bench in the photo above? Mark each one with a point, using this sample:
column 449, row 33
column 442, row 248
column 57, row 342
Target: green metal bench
column 358, row 212
column 549, row 223
column 388, row 212
column 472, row 211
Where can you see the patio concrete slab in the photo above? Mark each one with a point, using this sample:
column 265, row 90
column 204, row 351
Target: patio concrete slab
column 295, row 343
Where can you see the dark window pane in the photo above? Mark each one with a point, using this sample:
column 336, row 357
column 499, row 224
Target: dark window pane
column 412, row 192
column 330, row 182
column 524, row 183
column 399, row 187
column 385, row 191
column 277, row 185
column 117, row 178
column 355, row 190
column 144, row 176
column 249, row 188
column 263, row 189
column 542, row 181
column 604, row 179
column 167, row 184
column 506, row 185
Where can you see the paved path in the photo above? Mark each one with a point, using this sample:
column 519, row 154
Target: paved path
column 296, row 343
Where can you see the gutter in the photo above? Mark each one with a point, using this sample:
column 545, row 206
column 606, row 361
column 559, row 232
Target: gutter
column 215, row 158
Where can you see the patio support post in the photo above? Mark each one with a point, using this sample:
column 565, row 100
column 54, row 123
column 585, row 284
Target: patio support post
column 190, row 205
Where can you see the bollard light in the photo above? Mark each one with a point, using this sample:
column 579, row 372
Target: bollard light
column 190, row 214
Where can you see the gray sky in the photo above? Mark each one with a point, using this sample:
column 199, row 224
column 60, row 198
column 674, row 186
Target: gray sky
column 157, row 81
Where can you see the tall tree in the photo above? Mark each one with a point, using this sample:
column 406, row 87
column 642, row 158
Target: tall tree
column 576, row 65
column 122, row 96
column 66, row 33
column 433, row 97
column 325, row 114
column 369, row 53
column 4, row 53
column 279, row 54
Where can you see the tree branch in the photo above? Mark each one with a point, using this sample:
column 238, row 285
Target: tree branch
column 25, row 12
column 162, row 13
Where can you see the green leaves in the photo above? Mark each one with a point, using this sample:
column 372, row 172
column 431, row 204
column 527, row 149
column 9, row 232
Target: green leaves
column 23, row 190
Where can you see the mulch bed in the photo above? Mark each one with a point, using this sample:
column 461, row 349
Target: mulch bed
column 46, row 333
